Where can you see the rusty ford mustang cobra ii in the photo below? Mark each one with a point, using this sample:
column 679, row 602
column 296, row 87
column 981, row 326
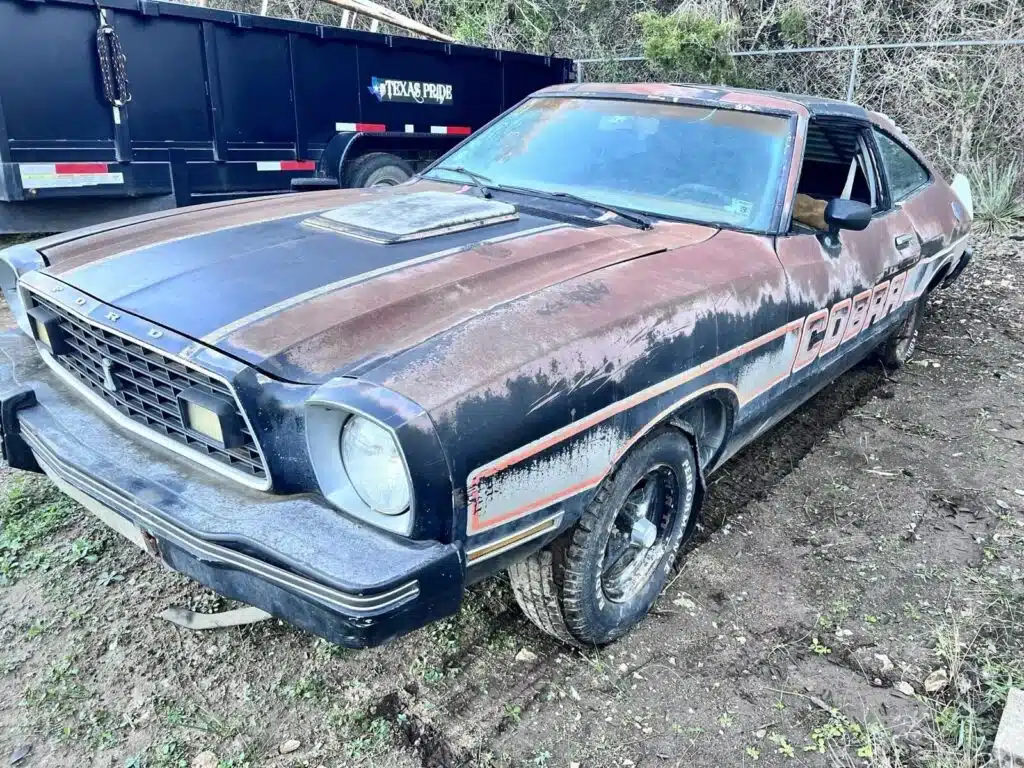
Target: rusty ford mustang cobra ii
column 343, row 407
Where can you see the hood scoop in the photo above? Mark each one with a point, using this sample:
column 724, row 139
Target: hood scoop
column 399, row 218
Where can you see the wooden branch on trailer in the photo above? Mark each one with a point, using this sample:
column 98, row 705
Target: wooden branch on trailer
column 386, row 15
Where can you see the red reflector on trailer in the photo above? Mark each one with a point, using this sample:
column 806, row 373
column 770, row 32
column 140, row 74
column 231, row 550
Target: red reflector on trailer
column 62, row 168
column 452, row 130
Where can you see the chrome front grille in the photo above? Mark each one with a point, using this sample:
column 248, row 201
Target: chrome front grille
column 147, row 387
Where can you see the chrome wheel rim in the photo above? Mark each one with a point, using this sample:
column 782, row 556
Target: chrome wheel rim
column 639, row 534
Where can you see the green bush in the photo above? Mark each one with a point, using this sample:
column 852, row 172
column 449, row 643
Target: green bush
column 687, row 45
column 793, row 27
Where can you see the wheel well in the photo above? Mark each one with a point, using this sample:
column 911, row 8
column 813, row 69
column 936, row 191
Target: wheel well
column 939, row 277
column 709, row 421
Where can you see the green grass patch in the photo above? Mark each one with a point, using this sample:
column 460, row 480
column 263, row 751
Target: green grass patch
column 67, row 710
column 31, row 510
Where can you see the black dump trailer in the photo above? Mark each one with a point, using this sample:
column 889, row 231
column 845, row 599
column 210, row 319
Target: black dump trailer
column 122, row 107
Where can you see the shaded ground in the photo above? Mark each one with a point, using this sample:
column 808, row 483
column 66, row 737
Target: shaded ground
column 872, row 543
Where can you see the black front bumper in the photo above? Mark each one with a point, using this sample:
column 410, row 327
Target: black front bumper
column 293, row 556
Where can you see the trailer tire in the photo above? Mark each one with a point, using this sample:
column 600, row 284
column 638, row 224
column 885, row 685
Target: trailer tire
column 377, row 169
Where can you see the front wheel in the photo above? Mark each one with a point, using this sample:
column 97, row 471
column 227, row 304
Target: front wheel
column 601, row 578
column 900, row 347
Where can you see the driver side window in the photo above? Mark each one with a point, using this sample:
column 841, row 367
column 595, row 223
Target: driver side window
column 837, row 164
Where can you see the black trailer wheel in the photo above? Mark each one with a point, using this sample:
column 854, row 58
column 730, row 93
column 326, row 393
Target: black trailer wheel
column 377, row 169
column 601, row 578
column 899, row 348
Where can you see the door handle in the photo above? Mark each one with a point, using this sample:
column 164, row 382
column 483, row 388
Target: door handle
column 904, row 241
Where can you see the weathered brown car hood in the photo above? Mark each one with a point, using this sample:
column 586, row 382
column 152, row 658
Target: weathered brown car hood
column 303, row 304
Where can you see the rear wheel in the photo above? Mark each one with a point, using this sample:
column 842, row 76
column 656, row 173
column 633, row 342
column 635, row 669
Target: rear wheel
column 377, row 169
column 900, row 347
column 601, row 578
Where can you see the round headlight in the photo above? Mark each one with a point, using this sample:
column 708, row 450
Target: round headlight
column 374, row 466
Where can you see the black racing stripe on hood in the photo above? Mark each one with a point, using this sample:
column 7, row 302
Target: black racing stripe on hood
column 199, row 284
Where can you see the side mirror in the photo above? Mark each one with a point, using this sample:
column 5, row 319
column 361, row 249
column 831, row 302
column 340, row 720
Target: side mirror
column 847, row 214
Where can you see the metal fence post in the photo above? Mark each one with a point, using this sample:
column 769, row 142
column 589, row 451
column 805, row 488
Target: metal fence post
column 853, row 75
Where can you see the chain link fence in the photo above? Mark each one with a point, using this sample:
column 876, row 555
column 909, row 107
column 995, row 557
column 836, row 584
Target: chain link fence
column 961, row 102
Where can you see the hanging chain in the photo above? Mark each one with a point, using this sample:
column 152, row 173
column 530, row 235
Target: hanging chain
column 112, row 62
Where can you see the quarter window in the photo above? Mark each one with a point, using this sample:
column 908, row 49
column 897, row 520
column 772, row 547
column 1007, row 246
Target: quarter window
column 906, row 175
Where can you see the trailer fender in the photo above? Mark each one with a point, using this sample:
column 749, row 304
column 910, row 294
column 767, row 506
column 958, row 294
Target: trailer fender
column 329, row 165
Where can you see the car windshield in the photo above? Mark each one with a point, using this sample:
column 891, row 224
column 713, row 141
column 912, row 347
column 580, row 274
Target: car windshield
column 705, row 164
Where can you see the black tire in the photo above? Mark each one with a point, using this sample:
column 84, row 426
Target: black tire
column 577, row 589
column 899, row 348
column 377, row 169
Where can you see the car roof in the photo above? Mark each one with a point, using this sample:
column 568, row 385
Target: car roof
column 740, row 98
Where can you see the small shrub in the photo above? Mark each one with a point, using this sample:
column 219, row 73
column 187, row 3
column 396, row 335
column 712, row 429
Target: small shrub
column 997, row 206
column 687, row 44
column 793, row 27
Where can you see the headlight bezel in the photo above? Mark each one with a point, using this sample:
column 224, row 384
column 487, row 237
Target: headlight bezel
column 325, row 423
column 16, row 261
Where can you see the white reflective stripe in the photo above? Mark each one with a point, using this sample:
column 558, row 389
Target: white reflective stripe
column 344, row 126
column 439, row 129
column 268, row 165
column 37, row 169
column 410, row 128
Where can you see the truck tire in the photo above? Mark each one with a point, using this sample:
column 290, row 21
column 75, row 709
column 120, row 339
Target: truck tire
column 899, row 348
column 377, row 169
column 599, row 579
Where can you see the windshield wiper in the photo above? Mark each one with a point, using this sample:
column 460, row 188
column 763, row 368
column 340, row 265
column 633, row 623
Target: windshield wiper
column 485, row 184
column 638, row 220
column 479, row 180
column 641, row 221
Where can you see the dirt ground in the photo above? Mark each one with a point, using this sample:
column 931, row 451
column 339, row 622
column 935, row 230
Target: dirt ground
column 855, row 597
